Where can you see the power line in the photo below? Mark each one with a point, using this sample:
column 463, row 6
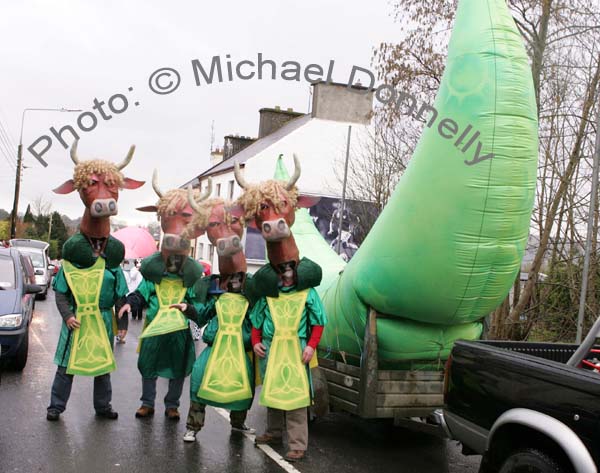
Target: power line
column 7, row 139
column 11, row 163
column 6, row 147
column 8, row 130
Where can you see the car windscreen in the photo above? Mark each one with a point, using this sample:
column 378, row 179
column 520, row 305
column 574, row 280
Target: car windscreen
column 37, row 258
column 7, row 272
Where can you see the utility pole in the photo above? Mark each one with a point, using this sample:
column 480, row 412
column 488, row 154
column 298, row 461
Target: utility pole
column 49, row 226
column 343, row 203
column 13, row 215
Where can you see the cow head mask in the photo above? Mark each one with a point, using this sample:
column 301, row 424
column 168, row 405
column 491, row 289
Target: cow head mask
column 175, row 214
column 98, row 183
column 270, row 207
column 224, row 230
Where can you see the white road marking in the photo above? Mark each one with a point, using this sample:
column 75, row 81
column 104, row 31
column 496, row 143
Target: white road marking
column 272, row 454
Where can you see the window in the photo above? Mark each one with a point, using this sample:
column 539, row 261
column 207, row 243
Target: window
column 218, row 190
column 37, row 257
column 200, row 250
column 7, row 273
column 211, row 254
column 255, row 246
column 231, row 190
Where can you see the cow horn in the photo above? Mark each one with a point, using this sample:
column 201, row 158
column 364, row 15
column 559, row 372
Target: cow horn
column 127, row 159
column 155, row 184
column 207, row 192
column 74, row 152
column 193, row 201
column 296, row 175
column 238, row 176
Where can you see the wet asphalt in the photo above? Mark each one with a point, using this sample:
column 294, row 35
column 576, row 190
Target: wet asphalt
column 80, row 442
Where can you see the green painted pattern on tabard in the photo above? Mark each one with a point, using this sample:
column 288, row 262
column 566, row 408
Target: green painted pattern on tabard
column 91, row 352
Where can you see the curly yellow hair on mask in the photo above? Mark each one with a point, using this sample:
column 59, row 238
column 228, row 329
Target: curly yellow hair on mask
column 83, row 171
column 271, row 190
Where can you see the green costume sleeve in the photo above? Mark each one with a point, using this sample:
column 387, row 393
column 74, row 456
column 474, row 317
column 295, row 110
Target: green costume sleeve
column 206, row 312
column 146, row 289
column 191, row 299
column 257, row 316
column 314, row 309
column 60, row 282
column 210, row 331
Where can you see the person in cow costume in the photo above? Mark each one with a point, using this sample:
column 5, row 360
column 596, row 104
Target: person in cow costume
column 167, row 290
column 287, row 315
column 223, row 373
column 88, row 284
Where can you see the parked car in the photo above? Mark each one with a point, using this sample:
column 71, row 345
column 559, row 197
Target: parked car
column 29, row 272
column 16, row 307
column 28, row 267
column 531, row 407
column 38, row 252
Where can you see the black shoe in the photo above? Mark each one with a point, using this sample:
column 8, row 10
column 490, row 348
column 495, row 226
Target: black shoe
column 108, row 414
column 52, row 415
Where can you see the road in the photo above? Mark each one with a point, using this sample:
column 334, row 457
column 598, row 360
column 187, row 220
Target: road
column 80, row 442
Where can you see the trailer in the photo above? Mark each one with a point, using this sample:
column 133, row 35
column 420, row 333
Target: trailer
column 411, row 397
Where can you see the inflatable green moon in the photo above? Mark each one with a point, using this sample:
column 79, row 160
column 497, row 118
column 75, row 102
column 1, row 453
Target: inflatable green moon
column 447, row 247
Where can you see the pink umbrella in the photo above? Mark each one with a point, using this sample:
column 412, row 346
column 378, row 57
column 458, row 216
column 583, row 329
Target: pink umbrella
column 138, row 242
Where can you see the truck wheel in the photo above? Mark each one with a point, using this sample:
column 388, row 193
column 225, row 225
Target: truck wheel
column 22, row 352
column 530, row 460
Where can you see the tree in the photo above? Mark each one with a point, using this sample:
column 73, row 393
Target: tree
column 561, row 38
column 374, row 167
column 41, row 206
column 28, row 217
column 59, row 233
column 4, row 230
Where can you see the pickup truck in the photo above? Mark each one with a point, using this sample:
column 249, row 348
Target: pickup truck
column 526, row 406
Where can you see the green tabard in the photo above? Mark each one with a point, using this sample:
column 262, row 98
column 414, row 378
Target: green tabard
column 286, row 384
column 166, row 320
column 91, row 352
column 226, row 377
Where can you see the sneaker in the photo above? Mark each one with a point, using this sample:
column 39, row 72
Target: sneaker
column 172, row 413
column 243, row 428
column 144, row 411
column 52, row 415
column 108, row 414
column 190, row 436
column 294, row 455
column 268, row 439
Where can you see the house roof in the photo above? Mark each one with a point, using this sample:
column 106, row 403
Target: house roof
column 255, row 148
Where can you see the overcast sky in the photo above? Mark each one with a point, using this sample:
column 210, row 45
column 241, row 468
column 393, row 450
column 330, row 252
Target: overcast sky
column 66, row 53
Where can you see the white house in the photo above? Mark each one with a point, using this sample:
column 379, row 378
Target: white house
column 318, row 139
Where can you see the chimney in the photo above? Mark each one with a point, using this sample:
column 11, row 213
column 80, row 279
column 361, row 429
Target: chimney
column 216, row 156
column 334, row 101
column 272, row 119
column 234, row 144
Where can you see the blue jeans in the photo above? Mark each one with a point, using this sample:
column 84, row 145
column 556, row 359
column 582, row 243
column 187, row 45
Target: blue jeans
column 61, row 391
column 172, row 397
